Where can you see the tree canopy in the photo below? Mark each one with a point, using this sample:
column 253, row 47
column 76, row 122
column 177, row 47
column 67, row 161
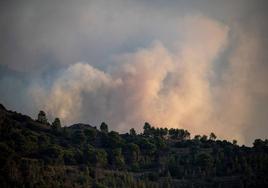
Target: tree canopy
column 34, row 154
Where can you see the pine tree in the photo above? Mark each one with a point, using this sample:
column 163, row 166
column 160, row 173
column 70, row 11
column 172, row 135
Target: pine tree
column 42, row 117
column 104, row 127
column 56, row 124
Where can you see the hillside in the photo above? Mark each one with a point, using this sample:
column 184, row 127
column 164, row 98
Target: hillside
column 34, row 153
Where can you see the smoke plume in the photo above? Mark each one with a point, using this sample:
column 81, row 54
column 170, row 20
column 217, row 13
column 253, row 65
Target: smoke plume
column 154, row 84
column 198, row 65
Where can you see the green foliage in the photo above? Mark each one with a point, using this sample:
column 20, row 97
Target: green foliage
column 204, row 160
column 117, row 158
column 79, row 137
column 132, row 132
column 160, row 143
column 148, row 147
column 100, row 157
column 179, row 134
column 90, row 135
column 104, row 127
column 197, row 137
column 24, row 141
column 260, row 145
column 42, row 117
column 147, row 130
column 133, row 153
column 204, row 138
column 99, row 185
column 52, row 154
column 114, row 140
column 212, row 136
column 5, row 153
column 35, row 155
column 89, row 155
column 56, row 124
column 69, row 157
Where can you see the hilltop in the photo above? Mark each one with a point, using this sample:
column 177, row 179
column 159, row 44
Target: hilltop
column 35, row 153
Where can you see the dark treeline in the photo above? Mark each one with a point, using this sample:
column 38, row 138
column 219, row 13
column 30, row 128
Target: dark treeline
column 35, row 153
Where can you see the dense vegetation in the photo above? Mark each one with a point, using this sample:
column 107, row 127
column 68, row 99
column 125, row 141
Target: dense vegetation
column 34, row 153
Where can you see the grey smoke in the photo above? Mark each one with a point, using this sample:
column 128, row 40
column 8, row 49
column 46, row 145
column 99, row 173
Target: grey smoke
column 222, row 88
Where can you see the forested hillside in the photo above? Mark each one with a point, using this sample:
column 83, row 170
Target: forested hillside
column 35, row 153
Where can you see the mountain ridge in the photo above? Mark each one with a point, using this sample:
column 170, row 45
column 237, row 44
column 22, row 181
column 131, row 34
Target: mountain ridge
column 40, row 154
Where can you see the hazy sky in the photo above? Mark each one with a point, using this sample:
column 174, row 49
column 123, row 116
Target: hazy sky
column 200, row 65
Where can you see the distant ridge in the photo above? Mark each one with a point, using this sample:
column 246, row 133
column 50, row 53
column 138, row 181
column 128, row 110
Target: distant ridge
column 82, row 126
column 2, row 107
column 36, row 153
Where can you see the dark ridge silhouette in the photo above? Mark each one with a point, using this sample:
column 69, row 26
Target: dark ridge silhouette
column 81, row 126
column 35, row 153
column 2, row 107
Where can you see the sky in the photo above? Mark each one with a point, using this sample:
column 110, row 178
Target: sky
column 200, row 65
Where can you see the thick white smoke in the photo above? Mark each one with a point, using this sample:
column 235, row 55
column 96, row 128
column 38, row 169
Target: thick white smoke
column 165, row 87
column 203, row 73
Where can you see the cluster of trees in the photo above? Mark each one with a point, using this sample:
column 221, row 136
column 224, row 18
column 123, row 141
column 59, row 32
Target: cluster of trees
column 172, row 133
column 42, row 118
column 37, row 154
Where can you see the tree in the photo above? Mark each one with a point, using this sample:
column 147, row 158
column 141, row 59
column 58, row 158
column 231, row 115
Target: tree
column 212, row 136
column 117, row 158
column 100, row 157
column 260, row 145
column 173, row 133
column 89, row 154
column 147, row 129
column 90, row 134
column 79, row 137
column 56, row 124
column 186, row 135
column 159, row 142
column 147, row 146
column 52, row 153
column 133, row 153
column 114, row 140
column 179, row 134
column 163, row 132
column 42, row 117
column 234, row 142
column 132, row 132
column 204, row 160
column 6, row 153
column 104, row 127
column 204, row 138
column 197, row 137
